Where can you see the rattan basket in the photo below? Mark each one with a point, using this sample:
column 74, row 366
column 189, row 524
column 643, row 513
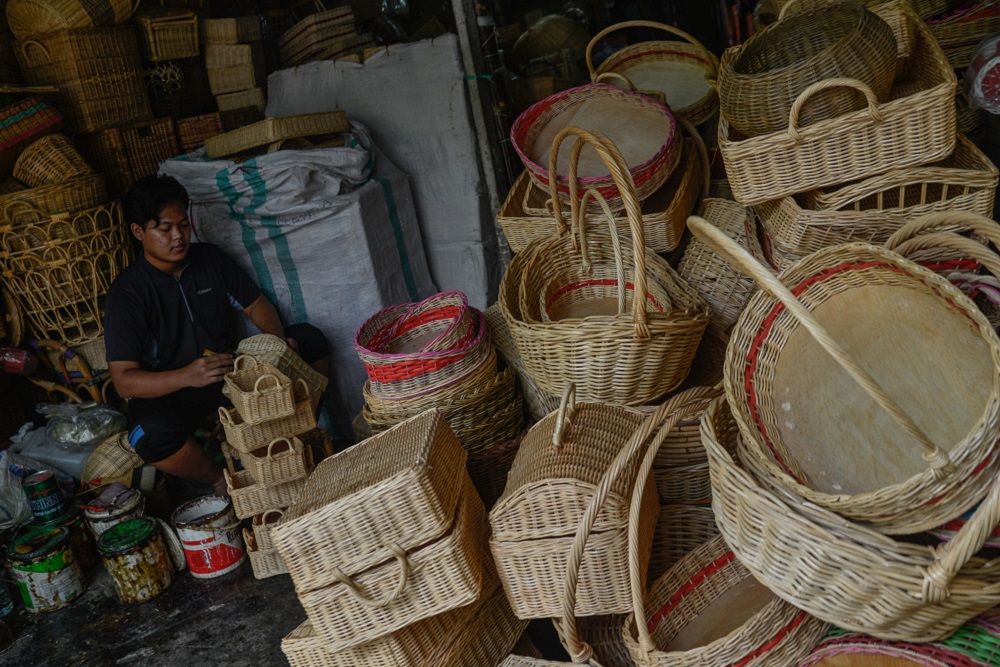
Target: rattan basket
column 395, row 488
column 242, row 30
column 412, row 585
column 245, row 437
column 275, row 129
column 262, row 525
column 306, row 40
column 241, row 100
column 167, row 34
column 679, row 531
column 23, row 122
column 679, row 69
column 250, row 499
column 126, row 154
column 284, row 460
column 265, row 562
column 49, row 160
column 960, row 30
column 272, row 350
column 113, row 460
column 233, row 78
column 34, row 17
column 38, row 204
column 915, row 126
column 628, row 358
column 539, row 402
column 259, row 392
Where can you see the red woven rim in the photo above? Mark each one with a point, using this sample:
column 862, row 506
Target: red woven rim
column 641, row 174
column 371, row 338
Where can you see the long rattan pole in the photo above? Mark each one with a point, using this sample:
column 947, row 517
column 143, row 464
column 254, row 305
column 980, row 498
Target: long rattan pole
column 744, row 261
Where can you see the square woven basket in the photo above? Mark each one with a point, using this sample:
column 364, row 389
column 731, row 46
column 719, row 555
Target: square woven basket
column 167, row 34
column 259, row 392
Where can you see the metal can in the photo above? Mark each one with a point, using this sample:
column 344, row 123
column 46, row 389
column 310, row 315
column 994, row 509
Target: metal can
column 47, row 573
column 136, row 557
column 43, row 496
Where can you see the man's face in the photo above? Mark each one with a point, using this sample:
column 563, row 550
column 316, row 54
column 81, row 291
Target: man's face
column 166, row 240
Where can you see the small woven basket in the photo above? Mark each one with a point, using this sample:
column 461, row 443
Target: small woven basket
column 250, row 499
column 262, row 524
column 284, row 460
column 259, row 392
column 265, row 562
column 245, row 437
column 23, row 122
column 272, row 350
column 167, row 34
column 51, row 159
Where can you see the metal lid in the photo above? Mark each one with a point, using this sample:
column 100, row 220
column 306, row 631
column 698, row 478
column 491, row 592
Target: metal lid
column 126, row 535
column 37, row 542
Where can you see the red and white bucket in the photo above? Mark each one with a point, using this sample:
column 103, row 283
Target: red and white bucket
column 210, row 535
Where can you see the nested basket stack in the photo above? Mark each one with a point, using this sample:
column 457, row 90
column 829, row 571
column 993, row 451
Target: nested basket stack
column 129, row 152
column 173, row 71
column 234, row 58
column 265, row 429
column 385, row 546
column 438, row 354
column 325, row 35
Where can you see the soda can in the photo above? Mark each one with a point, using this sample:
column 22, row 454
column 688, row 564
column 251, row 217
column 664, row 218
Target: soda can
column 43, row 496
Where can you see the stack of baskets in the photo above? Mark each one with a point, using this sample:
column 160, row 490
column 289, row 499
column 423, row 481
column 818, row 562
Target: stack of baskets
column 385, row 546
column 437, row 353
column 127, row 153
column 194, row 131
column 326, row 35
column 961, row 28
column 234, row 58
column 269, row 412
column 173, row 71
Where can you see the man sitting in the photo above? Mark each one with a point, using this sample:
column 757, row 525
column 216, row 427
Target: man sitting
column 169, row 326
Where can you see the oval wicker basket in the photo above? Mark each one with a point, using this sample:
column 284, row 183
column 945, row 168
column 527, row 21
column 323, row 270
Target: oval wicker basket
column 904, row 452
column 760, row 81
column 51, row 160
column 32, row 17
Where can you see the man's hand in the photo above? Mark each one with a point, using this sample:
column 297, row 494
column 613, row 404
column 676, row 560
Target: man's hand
column 292, row 343
column 204, row 371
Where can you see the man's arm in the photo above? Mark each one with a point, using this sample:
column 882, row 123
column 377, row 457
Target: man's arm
column 265, row 317
column 131, row 381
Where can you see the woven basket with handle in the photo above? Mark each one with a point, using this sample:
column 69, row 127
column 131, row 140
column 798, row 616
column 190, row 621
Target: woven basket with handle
column 51, row 159
column 245, row 437
column 259, row 392
column 167, row 34
column 272, row 350
column 284, row 459
column 265, row 562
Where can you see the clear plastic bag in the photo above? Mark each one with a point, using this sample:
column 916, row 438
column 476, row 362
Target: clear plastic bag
column 81, row 425
column 982, row 78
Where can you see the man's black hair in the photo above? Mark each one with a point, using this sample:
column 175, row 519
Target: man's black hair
column 148, row 196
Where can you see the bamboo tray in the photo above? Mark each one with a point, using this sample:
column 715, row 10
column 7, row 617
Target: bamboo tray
column 271, row 130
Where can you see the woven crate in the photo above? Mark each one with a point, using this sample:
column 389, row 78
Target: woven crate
column 259, row 392
column 284, row 460
column 413, row 585
column 131, row 152
column 265, row 562
column 397, row 487
column 240, row 100
column 98, row 73
column 21, row 124
column 250, row 499
column 167, row 34
column 49, row 160
column 305, row 40
column 275, row 129
column 262, row 525
column 236, row 77
column 245, row 437
column 242, row 30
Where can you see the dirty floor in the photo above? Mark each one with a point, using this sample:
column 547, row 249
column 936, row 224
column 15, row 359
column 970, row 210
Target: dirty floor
column 233, row 620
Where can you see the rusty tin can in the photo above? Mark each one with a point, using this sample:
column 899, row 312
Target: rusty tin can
column 45, row 568
column 43, row 495
column 135, row 556
column 80, row 538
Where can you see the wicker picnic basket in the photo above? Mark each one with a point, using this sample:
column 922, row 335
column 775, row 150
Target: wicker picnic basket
column 650, row 142
column 23, row 122
column 873, row 209
column 305, row 41
column 262, row 524
column 33, row 17
column 725, row 290
column 596, row 344
column 245, row 437
column 679, row 69
column 272, row 350
column 916, row 126
column 265, row 562
column 167, row 34
column 414, row 584
column 97, row 71
column 51, row 159
column 960, row 30
column 275, row 129
column 397, row 487
column 285, row 459
column 250, row 499
column 876, row 464
column 820, row 563
column 259, row 392
column 241, row 30
column 679, row 531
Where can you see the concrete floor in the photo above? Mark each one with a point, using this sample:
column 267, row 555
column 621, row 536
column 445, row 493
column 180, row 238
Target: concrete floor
column 233, row 620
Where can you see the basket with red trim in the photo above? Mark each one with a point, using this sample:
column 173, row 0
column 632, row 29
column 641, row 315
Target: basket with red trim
column 650, row 141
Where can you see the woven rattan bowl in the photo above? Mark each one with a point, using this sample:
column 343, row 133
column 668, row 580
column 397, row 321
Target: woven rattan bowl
column 762, row 79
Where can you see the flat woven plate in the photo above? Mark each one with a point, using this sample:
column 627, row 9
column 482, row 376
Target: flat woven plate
column 683, row 83
column 271, row 130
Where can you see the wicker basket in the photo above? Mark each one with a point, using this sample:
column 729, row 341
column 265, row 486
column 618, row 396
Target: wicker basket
column 873, row 209
column 113, row 460
column 820, row 563
column 888, row 472
column 268, row 349
column 49, row 160
column 396, row 488
column 283, row 460
column 306, row 40
column 489, row 636
column 651, row 142
column 960, row 30
column 39, row 204
column 265, row 562
column 262, row 525
column 679, row 531
column 916, row 126
column 241, row 100
column 431, row 579
column 23, row 123
column 97, row 71
column 233, row 78
column 725, row 290
column 242, row 30
column 167, row 34
column 131, row 152
column 34, row 17
column 245, row 437
column 613, row 356
column 250, row 499
column 259, row 392
column 192, row 133
column 275, row 129
column 680, row 70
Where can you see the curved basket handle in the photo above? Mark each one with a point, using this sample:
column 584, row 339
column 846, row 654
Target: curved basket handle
column 238, row 365
column 967, row 247
column 263, row 517
column 742, row 260
column 404, row 578
column 34, row 42
column 567, row 408
column 306, row 392
column 945, row 221
column 288, row 441
column 616, row 243
column 825, row 84
column 615, row 76
column 615, row 163
column 659, row 425
column 20, row 203
column 256, row 385
column 226, row 418
column 635, row 24
column 784, row 9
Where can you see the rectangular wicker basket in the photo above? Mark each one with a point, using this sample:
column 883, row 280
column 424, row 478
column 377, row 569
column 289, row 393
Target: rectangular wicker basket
column 239, row 76
column 245, row 437
column 259, row 392
column 276, row 129
column 265, row 562
column 916, row 126
column 242, row 30
column 167, row 34
column 250, row 499
column 244, row 98
column 283, row 460
column 129, row 153
column 399, row 487
column 302, row 42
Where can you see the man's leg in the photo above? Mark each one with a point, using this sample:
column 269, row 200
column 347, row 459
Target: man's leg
column 191, row 462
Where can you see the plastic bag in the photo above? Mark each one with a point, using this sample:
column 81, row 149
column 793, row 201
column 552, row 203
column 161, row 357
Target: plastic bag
column 81, row 424
column 982, row 78
column 14, row 508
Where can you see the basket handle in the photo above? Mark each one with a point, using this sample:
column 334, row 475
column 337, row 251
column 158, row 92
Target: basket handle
column 945, row 221
column 741, row 259
column 616, row 243
column 238, row 365
column 256, row 385
column 404, row 578
column 287, row 441
column 263, row 517
column 658, row 95
column 34, row 42
column 658, row 425
column 615, row 163
column 22, row 204
column 567, row 408
column 635, row 24
column 226, row 418
column 706, row 164
column 826, row 84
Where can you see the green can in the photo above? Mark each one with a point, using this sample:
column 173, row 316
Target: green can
column 48, row 575
column 43, row 496
column 136, row 557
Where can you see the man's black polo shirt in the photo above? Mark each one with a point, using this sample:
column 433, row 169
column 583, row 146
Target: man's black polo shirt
column 165, row 323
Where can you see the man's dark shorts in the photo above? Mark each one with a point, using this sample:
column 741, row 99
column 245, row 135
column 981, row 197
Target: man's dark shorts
column 158, row 427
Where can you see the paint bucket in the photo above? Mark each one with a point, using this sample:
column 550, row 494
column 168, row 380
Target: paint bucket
column 136, row 557
column 131, row 505
column 43, row 495
column 210, row 535
column 80, row 538
column 47, row 574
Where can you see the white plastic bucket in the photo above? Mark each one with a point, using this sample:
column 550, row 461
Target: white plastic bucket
column 210, row 535
column 100, row 520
